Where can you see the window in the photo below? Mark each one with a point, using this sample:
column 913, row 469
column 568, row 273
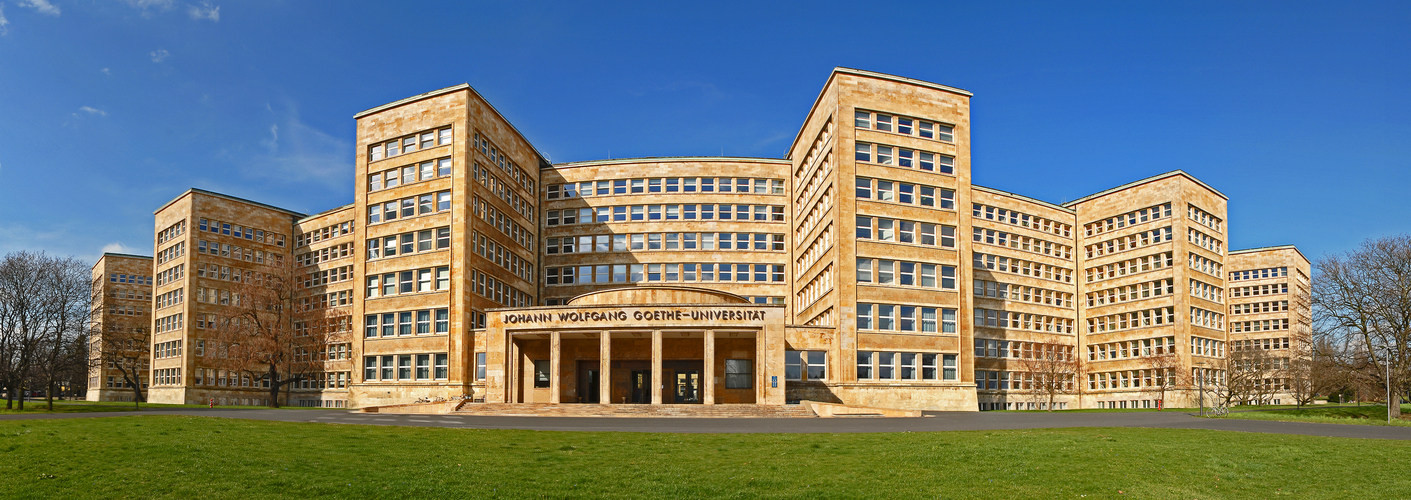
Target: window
column 541, row 373
column 479, row 366
column 737, row 374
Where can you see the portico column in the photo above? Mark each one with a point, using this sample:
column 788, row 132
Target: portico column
column 709, row 367
column 605, row 368
column 656, row 367
column 554, row 368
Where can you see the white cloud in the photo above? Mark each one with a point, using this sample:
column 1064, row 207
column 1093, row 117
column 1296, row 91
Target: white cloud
column 4, row 23
column 118, row 247
column 41, row 6
column 159, row 55
column 296, row 152
column 146, row 5
column 93, row 111
column 106, row 72
column 204, row 11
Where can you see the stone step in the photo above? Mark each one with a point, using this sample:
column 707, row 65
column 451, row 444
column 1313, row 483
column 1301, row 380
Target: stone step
column 635, row 410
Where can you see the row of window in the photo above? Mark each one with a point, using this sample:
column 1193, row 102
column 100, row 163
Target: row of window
column 335, row 252
column 1139, row 216
column 904, row 231
column 1205, row 241
column 426, row 240
column 1014, row 349
column 487, row 286
column 335, row 230
column 169, row 253
column 129, row 278
column 1260, row 307
column 817, row 214
column 1134, row 319
column 1132, row 379
column 1133, row 292
column 410, row 281
column 502, row 161
column 1266, row 325
column 884, row 365
column 171, row 298
column 166, row 376
column 1203, row 218
column 603, row 243
column 817, row 181
column 502, row 256
column 419, row 172
column 407, row 323
column 171, row 232
column 1265, row 344
column 235, row 252
column 1129, row 242
column 224, row 273
column 904, row 273
column 642, row 213
column 1258, row 290
column 805, row 365
column 130, row 294
column 905, row 125
column 326, row 276
column 168, row 323
column 816, row 288
column 410, row 143
column 905, row 318
column 821, row 147
column 991, row 318
column 1202, row 346
column 503, row 222
column 1023, row 267
column 670, row 273
column 395, row 367
column 893, row 156
column 1023, row 243
column 1256, row 274
column 1125, row 349
column 239, row 231
column 409, row 207
column 666, row 185
column 1207, row 291
column 168, row 349
column 993, row 380
column 1208, row 319
column 904, row 193
column 816, row 250
column 1022, row 293
column 1204, row 265
column 1021, row 219
column 1131, row 266
column 171, row 274
column 505, row 192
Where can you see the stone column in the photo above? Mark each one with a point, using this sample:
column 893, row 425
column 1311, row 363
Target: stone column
column 554, row 387
column 605, row 368
column 656, row 367
column 709, row 368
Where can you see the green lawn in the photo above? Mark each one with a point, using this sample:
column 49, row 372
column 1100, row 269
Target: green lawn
column 39, row 406
column 1363, row 415
column 183, row 457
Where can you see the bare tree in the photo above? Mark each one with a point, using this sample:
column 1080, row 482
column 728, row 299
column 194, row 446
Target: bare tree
column 67, row 313
column 1250, row 373
column 270, row 332
column 1054, row 369
column 23, row 321
column 1362, row 302
column 1167, row 374
column 125, row 350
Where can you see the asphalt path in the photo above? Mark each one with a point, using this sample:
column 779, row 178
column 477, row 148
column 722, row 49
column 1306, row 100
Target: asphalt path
column 932, row 422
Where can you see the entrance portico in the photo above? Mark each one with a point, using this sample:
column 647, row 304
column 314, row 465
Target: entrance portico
column 694, row 347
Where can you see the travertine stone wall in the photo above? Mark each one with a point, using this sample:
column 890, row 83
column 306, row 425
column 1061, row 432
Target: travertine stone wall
column 1269, row 287
column 122, row 302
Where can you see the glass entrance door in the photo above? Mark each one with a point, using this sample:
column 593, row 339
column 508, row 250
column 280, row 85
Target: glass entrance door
column 641, row 386
column 688, row 386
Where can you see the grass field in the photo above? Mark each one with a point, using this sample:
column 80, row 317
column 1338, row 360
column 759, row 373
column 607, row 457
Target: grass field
column 39, row 406
column 1363, row 415
column 177, row 456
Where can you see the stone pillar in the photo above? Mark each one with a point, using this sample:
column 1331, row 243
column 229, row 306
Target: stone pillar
column 656, row 367
column 554, row 387
column 605, row 368
column 709, row 368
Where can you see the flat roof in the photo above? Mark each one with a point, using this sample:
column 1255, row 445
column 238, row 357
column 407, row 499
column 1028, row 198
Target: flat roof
column 1153, row 178
column 128, row 255
column 228, row 197
column 1271, row 248
column 1022, row 197
column 837, row 70
column 448, row 90
column 652, row 159
column 326, row 212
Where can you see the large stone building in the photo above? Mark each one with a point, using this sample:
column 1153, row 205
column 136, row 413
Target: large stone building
column 120, row 337
column 864, row 268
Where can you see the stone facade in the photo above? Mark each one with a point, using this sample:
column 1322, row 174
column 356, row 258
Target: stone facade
column 1270, row 298
column 880, row 274
column 122, row 309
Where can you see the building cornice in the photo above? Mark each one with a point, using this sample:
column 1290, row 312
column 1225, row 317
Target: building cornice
column 191, row 191
column 667, row 159
column 1154, row 178
column 1023, row 198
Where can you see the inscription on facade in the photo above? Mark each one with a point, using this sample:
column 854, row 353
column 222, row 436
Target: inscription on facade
column 647, row 315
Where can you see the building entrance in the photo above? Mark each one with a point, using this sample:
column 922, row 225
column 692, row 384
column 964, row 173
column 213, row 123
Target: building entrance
column 589, row 382
column 641, row 386
column 687, row 387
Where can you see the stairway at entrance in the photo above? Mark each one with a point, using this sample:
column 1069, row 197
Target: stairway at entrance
column 635, row 410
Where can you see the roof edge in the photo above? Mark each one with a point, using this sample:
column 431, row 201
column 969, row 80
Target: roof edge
column 327, row 212
column 1270, row 248
column 1022, row 197
column 411, row 99
column 902, row 79
column 1154, row 178
column 664, row 159
column 228, row 197
column 119, row 254
column 448, row 90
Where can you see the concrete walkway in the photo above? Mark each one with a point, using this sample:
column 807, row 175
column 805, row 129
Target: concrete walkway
column 941, row 421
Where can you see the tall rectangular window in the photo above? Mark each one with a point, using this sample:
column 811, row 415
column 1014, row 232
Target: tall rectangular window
column 738, row 374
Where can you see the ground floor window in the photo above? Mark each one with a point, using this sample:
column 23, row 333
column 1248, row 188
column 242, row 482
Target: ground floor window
column 479, row 366
column 541, row 373
column 805, row 365
column 903, row 366
column 738, row 374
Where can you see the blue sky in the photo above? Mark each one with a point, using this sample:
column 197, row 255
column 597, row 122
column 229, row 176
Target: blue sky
column 1298, row 111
